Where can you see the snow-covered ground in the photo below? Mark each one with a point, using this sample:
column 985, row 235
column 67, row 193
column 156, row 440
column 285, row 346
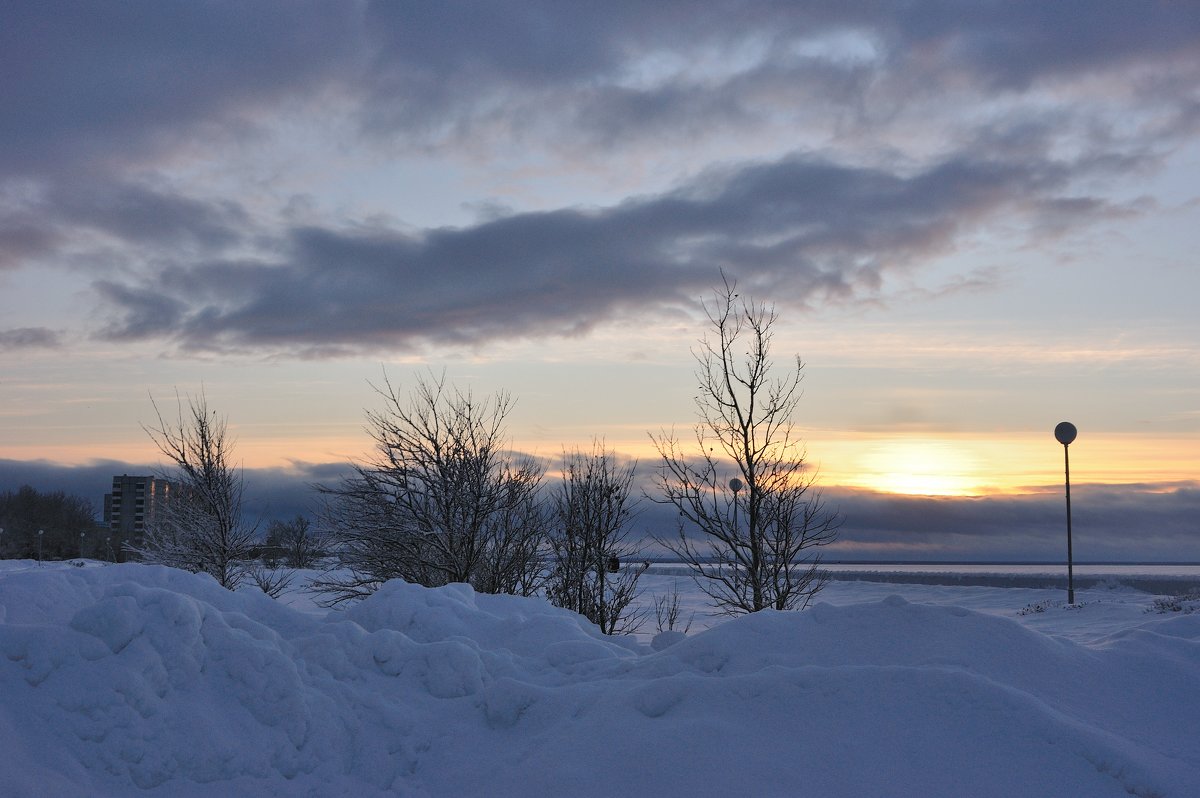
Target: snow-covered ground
column 135, row 680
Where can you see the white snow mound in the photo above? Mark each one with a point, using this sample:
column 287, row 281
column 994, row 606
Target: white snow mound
column 136, row 680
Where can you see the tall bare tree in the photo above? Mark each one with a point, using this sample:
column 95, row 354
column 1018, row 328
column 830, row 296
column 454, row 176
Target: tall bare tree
column 443, row 500
column 199, row 526
column 591, row 511
column 747, row 489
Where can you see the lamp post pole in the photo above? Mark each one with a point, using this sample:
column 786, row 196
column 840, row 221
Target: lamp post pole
column 736, row 486
column 1065, row 434
column 40, row 532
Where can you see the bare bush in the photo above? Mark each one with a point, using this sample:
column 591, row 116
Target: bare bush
column 667, row 612
column 442, row 501
column 1185, row 603
column 270, row 580
column 591, row 510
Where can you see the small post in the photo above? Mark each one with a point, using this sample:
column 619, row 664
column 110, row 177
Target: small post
column 1065, row 434
column 40, row 532
column 81, row 536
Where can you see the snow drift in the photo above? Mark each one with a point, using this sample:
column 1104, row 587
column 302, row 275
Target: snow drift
column 137, row 680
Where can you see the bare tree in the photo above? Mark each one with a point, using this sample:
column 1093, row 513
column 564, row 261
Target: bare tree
column 591, row 513
column 199, row 526
column 300, row 544
column 760, row 530
column 443, row 500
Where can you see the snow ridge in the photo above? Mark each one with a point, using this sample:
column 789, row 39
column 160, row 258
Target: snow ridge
column 140, row 680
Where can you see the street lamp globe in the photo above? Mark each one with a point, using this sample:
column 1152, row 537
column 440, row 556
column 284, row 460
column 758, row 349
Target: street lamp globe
column 1065, row 433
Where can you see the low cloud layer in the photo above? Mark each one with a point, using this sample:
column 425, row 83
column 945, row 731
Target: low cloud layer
column 271, row 493
column 1114, row 523
column 1139, row 523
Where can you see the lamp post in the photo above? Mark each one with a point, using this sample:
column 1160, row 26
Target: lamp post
column 81, row 536
column 736, row 486
column 108, row 544
column 40, row 533
column 1065, row 434
column 1, row 541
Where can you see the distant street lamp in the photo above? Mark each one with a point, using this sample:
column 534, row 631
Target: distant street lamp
column 40, row 533
column 1065, row 434
column 736, row 486
column 108, row 544
column 81, row 535
column 1, row 541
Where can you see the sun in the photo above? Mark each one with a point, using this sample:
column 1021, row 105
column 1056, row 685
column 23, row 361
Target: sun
column 919, row 468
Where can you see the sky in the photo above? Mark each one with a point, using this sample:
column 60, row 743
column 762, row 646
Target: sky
column 974, row 221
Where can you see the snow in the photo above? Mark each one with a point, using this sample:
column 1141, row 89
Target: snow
column 136, row 680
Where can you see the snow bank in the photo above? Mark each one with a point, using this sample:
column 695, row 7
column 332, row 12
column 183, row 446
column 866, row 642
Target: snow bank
column 136, row 680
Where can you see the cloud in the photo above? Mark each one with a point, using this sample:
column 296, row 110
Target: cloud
column 629, row 70
column 97, row 88
column 910, row 127
column 146, row 312
column 142, row 215
column 29, row 338
column 798, row 229
column 101, row 89
column 1011, row 45
column 23, row 237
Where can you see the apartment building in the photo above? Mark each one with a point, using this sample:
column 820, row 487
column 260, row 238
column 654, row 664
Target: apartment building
column 131, row 505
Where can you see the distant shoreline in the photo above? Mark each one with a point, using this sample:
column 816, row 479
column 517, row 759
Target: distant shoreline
column 1157, row 578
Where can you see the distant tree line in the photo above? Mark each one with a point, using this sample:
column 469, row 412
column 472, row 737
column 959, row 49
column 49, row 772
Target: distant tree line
column 60, row 517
